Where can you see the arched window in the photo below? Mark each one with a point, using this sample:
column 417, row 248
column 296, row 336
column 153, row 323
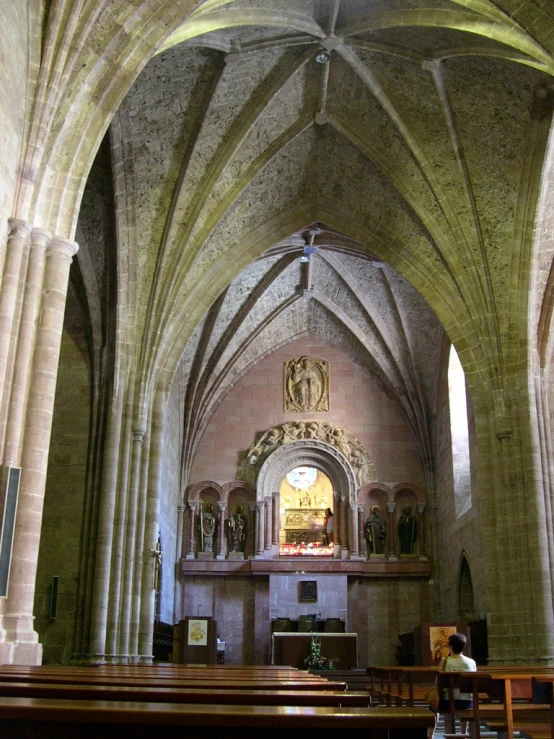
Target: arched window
column 466, row 610
column 459, row 434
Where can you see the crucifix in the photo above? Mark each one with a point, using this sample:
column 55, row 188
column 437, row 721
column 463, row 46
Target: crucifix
column 157, row 554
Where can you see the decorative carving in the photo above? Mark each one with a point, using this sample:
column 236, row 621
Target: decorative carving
column 294, row 431
column 306, row 385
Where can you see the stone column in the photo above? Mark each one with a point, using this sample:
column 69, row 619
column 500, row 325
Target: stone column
column 268, row 500
column 420, row 508
column 260, row 521
column 124, row 621
column 362, row 549
column 105, row 535
column 178, row 557
column 344, row 526
column 221, row 538
column 151, row 523
column 391, row 507
column 25, row 343
column 336, row 517
column 18, row 239
column 193, row 506
column 252, row 533
column 276, row 498
column 21, row 641
column 354, row 530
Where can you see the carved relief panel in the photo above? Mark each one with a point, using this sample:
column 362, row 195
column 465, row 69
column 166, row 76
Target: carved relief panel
column 306, row 384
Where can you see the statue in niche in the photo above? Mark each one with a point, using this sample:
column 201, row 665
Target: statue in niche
column 207, row 528
column 237, row 530
column 375, row 532
column 407, row 531
column 306, row 385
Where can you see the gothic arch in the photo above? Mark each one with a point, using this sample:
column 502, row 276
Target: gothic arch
column 306, row 452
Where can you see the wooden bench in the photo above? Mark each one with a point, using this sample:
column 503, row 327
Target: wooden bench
column 401, row 685
column 157, row 694
column 41, row 718
column 494, row 694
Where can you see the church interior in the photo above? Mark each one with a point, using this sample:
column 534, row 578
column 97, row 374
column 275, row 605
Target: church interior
column 275, row 325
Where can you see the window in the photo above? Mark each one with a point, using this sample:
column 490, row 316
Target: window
column 459, row 434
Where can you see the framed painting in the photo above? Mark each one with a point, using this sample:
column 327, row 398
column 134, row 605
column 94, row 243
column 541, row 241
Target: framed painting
column 307, row 591
column 197, row 632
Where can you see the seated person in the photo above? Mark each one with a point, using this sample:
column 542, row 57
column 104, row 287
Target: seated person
column 456, row 662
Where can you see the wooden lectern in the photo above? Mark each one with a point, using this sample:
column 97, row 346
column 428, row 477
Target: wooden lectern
column 194, row 641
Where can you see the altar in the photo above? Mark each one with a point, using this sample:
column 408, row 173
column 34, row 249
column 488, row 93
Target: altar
column 292, row 648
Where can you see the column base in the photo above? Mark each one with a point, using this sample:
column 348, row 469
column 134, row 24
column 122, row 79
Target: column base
column 20, row 653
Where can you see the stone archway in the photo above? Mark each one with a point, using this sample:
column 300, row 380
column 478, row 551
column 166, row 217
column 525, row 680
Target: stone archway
column 306, row 452
column 309, row 453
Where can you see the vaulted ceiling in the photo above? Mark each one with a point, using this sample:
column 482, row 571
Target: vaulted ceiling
column 403, row 139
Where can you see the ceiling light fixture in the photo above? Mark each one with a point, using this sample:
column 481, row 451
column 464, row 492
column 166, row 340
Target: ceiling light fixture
column 323, row 56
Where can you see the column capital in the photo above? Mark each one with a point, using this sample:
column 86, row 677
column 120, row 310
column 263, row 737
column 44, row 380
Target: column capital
column 193, row 505
column 40, row 238
column 421, row 507
column 18, row 229
column 63, row 247
column 222, row 505
column 361, row 507
column 260, row 504
column 391, row 506
column 138, row 434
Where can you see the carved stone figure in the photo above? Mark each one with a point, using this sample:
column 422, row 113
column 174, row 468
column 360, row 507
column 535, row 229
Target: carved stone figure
column 361, row 464
column 306, row 385
column 375, row 532
column 341, row 442
column 237, row 530
column 294, row 430
column 207, row 529
column 407, row 531
column 290, row 431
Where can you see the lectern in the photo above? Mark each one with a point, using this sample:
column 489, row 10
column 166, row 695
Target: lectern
column 195, row 641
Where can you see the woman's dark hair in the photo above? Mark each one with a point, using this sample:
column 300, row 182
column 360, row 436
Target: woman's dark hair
column 328, row 512
column 457, row 642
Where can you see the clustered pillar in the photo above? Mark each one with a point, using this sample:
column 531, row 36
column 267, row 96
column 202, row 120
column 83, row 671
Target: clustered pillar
column 32, row 304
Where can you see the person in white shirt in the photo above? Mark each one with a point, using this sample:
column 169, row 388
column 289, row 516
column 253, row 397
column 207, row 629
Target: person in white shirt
column 456, row 662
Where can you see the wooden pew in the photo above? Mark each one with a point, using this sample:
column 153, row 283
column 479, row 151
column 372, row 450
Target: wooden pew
column 400, row 685
column 220, row 696
column 243, row 679
column 40, row 718
column 501, row 687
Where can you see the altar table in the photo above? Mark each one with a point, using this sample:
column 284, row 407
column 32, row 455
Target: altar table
column 292, row 649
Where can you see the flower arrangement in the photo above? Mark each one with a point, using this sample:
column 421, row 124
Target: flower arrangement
column 315, row 660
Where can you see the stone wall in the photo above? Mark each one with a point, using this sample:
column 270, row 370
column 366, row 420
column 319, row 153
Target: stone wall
column 61, row 536
column 357, row 403
column 378, row 610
